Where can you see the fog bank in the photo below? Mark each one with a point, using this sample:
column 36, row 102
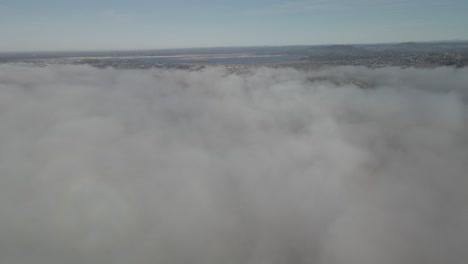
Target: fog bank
column 274, row 166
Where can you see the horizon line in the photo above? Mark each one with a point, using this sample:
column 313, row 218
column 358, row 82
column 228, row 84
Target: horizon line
column 221, row 47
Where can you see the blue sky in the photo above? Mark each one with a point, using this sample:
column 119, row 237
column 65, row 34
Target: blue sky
column 32, row 25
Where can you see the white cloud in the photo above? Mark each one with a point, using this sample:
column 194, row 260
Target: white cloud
column 271, row 166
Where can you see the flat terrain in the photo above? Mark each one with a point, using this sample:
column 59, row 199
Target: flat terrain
column 409, row 54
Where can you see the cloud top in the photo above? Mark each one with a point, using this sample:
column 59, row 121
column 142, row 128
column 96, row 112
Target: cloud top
column 270, row 166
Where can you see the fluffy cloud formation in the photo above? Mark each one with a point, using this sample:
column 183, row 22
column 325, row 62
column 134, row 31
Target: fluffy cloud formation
column 266, row 167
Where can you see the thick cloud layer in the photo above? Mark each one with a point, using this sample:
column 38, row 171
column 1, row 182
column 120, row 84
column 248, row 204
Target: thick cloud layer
column 267, row 167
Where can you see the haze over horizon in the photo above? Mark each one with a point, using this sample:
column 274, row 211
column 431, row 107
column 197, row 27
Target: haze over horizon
column 141, row 24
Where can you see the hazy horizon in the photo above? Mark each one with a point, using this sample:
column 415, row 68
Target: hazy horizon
column 31, row 26
column 233, row 47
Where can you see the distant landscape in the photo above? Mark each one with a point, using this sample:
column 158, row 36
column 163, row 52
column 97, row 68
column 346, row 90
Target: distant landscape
column 407, row 54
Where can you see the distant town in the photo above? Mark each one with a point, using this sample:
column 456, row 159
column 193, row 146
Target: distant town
column 239, row 59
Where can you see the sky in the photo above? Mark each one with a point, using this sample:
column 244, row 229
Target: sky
column 53, row 25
